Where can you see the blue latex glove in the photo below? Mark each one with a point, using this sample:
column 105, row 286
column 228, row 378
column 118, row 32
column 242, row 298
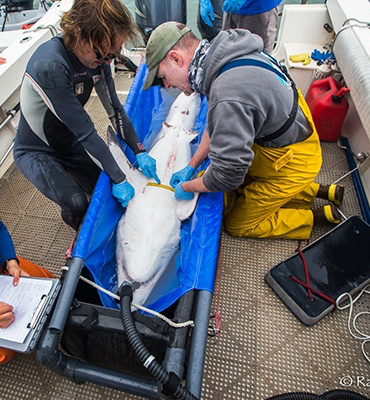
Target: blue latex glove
column 183, row 175
column 318, row 55
column 206, row 12
column 232, row 6
column 123, row 191
column 180, row 194
column 148, row 165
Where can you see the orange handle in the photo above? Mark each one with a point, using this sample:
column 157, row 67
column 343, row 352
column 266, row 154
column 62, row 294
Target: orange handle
column 342, row 92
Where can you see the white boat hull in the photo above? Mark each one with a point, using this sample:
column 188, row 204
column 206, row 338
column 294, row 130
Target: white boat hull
column 17, row 55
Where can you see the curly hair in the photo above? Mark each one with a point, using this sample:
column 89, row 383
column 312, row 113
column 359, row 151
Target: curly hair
column 99, row 23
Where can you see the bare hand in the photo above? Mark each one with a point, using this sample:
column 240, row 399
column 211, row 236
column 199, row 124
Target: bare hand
column 6, row 315
column 16, row 271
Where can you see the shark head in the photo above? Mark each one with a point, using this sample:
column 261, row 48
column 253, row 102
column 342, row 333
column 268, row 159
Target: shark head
column 184, row 111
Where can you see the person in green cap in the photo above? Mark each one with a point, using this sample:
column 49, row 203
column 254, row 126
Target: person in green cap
column 260, row 138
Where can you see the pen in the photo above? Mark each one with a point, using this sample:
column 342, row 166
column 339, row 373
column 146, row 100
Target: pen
column 38, row 313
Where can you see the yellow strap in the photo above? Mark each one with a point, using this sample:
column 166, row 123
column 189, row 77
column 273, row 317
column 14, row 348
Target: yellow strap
column 331, row 192
column 161, row 186
column 329, row 215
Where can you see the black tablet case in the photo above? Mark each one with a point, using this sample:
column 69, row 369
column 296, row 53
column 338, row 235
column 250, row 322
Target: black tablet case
column 338, row 262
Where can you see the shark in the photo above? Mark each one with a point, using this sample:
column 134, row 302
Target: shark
column 148, row 233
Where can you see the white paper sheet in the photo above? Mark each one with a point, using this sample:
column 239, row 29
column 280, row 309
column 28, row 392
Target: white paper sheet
column 25, row 299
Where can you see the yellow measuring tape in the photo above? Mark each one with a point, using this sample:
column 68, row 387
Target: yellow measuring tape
column 161, row 186
column 169, row 187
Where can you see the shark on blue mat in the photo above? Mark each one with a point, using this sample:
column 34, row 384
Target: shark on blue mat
column 148, row 233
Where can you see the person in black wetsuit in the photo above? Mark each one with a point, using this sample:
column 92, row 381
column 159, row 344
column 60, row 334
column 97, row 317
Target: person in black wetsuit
column 57, row 147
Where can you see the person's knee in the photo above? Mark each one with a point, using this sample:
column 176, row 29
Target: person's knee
column 238, row 231
column 6, row 355
column 235, row 226
column 240, row 222
column 80, row 203
column 74, row 213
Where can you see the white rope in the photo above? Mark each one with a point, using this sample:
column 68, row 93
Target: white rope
column 142, row 308
column 356, row 333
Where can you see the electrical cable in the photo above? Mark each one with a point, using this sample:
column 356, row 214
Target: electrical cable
column 356, row 333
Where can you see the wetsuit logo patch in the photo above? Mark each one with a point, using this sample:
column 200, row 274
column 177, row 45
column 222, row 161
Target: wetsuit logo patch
column 79, row 88
column 96, row 78
column 140, row 146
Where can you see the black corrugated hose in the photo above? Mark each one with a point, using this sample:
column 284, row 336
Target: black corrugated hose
column 331, row 395
column 170, row 382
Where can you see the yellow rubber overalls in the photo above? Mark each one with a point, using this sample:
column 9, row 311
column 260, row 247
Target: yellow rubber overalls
column 277, row 203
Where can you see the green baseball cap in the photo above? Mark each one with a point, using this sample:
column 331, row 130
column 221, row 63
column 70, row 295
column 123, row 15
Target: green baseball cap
column 161, row 41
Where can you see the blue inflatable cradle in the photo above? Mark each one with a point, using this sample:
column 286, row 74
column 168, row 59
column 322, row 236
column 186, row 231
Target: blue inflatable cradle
column 191, row 276
column 196, row 261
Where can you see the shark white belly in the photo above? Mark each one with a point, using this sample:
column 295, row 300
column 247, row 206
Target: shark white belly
column 148, row 234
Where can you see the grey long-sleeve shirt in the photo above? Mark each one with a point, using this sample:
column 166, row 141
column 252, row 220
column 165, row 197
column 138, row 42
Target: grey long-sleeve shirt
column 245, row 103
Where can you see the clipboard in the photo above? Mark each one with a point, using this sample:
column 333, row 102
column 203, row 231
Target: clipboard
column 32, row 302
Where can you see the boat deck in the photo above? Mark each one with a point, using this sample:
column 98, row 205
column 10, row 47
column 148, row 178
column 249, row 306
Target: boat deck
column 262, row 348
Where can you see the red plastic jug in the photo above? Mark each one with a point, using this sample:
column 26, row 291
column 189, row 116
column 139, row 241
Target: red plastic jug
column 328, row 107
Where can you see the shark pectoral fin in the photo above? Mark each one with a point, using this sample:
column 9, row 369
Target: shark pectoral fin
column 185, row 208
column 137, row 179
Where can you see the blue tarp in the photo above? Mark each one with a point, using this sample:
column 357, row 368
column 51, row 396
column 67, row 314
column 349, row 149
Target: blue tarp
column 195, row 263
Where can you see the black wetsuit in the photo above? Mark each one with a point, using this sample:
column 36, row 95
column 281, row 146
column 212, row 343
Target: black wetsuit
column 57, row 146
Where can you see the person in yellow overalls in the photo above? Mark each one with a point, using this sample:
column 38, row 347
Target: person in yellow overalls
column 260, row 139
column 17, row 267
column 278, row 200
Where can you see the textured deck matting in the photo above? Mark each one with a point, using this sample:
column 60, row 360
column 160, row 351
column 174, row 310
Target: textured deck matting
column 262, row 349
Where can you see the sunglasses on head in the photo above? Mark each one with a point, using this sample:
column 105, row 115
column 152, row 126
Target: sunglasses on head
column 108, row 57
